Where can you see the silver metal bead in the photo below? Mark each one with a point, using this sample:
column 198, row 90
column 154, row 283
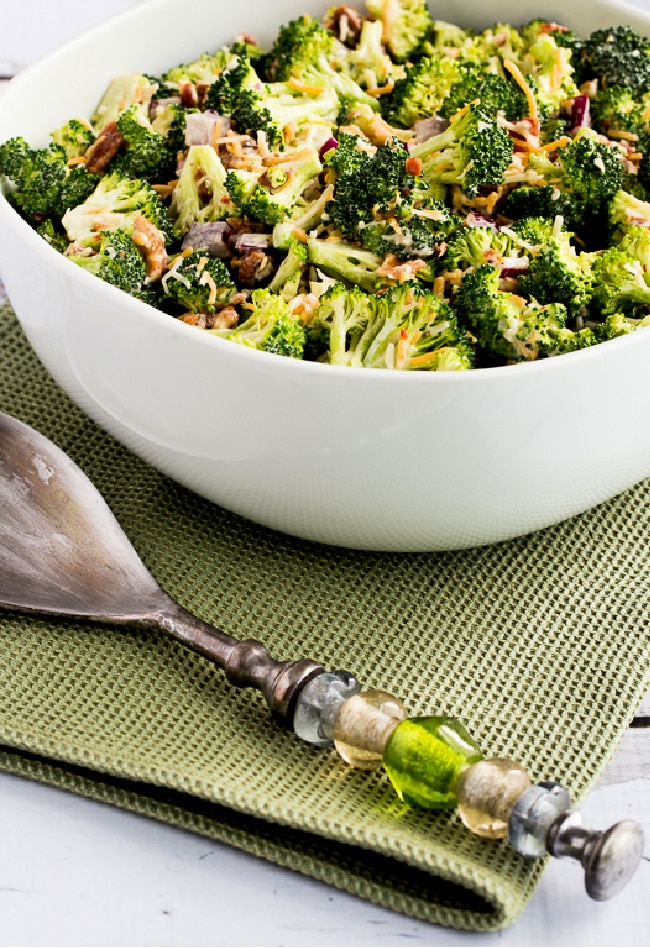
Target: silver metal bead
column 318, row 703
column 533, row 814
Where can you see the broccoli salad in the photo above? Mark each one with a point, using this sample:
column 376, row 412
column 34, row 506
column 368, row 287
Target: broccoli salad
column 378, row 189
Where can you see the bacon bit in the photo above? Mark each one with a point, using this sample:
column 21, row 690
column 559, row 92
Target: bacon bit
column 517, row 75
column 553, row 27
column 187, row 92
column 152, row 243
column 304, row 306
column 413, row 166
column 190, row 318
column 400, row 271
column 225, row 319
column 304, row 87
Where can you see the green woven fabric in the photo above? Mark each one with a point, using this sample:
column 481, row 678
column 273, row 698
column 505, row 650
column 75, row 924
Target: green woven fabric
column 540, row 646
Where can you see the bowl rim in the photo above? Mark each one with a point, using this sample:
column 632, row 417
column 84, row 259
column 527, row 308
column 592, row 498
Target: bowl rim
column 114, row 296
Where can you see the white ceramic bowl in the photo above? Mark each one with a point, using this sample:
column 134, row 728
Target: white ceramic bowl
column 354, row 457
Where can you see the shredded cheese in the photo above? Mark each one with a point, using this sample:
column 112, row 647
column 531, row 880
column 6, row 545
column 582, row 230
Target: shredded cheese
column 207, row 280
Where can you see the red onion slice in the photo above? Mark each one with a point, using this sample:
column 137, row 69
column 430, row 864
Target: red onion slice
column 209, row 235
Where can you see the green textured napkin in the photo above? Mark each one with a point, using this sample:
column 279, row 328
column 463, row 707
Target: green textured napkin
column 540, row 646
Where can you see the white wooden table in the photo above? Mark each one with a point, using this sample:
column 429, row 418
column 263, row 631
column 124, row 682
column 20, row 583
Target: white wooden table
column 76, row 873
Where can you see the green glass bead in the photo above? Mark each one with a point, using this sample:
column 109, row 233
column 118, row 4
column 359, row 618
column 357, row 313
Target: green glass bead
column 363, row 725
column 424, row 757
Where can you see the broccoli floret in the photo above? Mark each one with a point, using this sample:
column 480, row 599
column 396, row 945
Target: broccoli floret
column 271, row 195
column 593, row 170
column 200, row 193
column 495, row 94
column 618, row 56
column 115, row 202
column 405, row 328
column 76, row 137
column 346, row 262
column 289, row 274
column 198, row 283
column 117, row 260
column 508, row 327
column 550, row 72
column 422, row 91
column 368, row 63
column 148, row 153
column 131, row 89
column 473, row 152
column 346, row 314
column 51, row 233
column 620, row 284
column 418, row 330
column 475, row 246
column 43, row 185
column 556, row 274
column 236, row 93
column 257, row 107
column 533, row 232
column 271, row 327
column 169, row 119
column 308, row 55
column 368, row 186
column 304, row 219
column 563, row 36
column 618, row 324
column 205, row 69
column 579, row 185
column 618, row 109
column 441, row 37
column 301, row 41
column 423, row 232
column 405, row 24
column 625, row 211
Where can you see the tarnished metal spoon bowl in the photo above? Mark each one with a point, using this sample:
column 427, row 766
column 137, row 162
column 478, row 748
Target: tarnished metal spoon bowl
column 63, row 552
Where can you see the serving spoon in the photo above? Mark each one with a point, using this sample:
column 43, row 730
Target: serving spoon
column 63, row 553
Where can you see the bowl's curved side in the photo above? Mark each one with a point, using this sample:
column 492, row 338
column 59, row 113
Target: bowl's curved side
column 358, row 458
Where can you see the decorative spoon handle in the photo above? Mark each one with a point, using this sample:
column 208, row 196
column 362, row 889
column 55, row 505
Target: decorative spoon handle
column 246, row 663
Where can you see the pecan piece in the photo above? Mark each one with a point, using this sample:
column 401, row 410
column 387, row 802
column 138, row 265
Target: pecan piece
column 152, row 245
column 346, row 24
column 104, row 148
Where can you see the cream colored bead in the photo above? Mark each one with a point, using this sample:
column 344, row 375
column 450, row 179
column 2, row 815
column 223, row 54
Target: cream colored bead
column 486, row 793
column 363, row 726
